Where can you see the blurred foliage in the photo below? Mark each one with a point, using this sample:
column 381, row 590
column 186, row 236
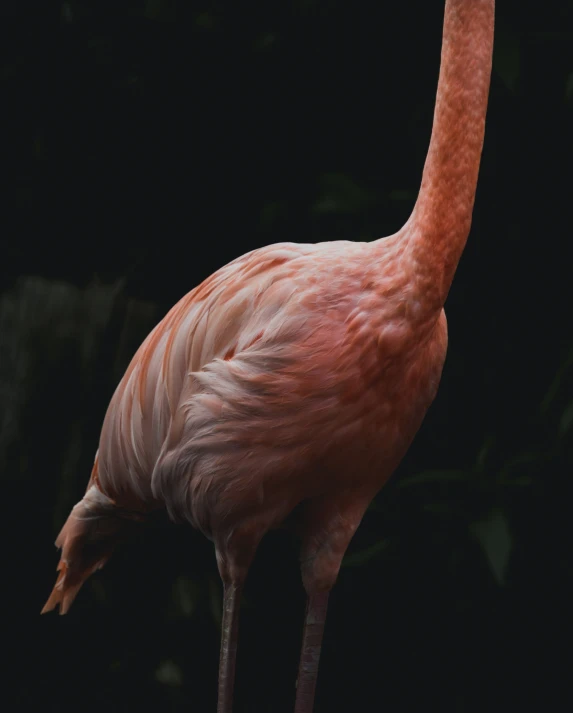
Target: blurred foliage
column 144, row 144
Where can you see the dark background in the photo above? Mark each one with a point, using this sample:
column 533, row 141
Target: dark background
column 144, row 144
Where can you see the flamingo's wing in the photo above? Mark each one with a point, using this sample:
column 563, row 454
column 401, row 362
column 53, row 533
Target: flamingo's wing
column 222, row 317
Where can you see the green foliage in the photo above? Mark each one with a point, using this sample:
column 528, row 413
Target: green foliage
column 506, row 60
column 340, row 194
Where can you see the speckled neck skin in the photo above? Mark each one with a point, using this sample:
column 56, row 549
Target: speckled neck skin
column 440, row 222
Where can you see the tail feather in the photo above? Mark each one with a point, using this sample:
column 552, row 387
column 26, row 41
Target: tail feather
column 64, row 592
column 87, row 541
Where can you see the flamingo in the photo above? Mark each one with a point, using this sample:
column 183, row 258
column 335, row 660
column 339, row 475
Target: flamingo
column 294, row 377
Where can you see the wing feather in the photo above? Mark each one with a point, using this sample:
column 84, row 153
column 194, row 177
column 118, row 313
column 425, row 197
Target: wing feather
column 239, row 305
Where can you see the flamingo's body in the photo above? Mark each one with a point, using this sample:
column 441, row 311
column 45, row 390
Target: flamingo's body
column 297, row 375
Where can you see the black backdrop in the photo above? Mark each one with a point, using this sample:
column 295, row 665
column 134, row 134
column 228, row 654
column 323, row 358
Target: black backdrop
column 144, row 144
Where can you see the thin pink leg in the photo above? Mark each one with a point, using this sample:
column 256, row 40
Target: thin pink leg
column 229, row 637
column 316, row 607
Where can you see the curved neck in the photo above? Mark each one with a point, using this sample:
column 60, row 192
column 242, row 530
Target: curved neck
column 440, row 222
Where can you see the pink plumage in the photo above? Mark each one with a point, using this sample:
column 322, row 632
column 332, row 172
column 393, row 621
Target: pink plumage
column 295, row 376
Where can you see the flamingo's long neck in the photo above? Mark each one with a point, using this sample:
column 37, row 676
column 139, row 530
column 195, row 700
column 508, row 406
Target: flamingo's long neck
column 440, row 222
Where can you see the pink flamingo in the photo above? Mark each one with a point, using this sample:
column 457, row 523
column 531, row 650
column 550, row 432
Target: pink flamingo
column 294, row 377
